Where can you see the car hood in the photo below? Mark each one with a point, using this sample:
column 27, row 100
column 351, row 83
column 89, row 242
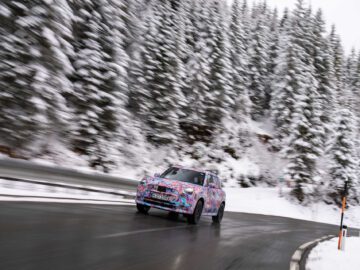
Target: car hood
column 174, row 184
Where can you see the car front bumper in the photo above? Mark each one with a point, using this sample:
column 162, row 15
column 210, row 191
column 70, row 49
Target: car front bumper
column 179, row 206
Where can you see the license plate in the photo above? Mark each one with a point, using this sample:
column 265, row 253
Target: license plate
column 160, row 197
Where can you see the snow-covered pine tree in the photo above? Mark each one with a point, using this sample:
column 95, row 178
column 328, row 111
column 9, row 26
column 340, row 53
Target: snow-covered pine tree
column 324, row 73
column 345, row 162
column 199, row 74
column 304, row 145
column 161, row 76
column 98, row 81
column 183, row 50
column 284, row 83
column 34, row 71
column 350, row 75
column 342, row 92
column 258, row 62
column 127, row 134
column 17, row 111
column 285, row 19
column 139, row 95
column 246, row 23
column 239, row 63
column 133, row 15
column 273, row 54
column 220, row 99
column 356, row 89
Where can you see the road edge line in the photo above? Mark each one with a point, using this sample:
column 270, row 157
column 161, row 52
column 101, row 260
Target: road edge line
column 29, row 197
column 298, row 255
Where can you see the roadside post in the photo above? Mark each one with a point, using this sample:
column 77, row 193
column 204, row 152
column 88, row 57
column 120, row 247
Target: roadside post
column 281, row 183
column 342, row 216
column 343, row 238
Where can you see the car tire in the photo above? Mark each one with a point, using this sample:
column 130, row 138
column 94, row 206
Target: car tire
column 144, row 209
column 217, row 219
column 195, row 217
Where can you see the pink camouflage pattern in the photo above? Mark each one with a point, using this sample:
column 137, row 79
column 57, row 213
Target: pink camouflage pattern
column 178, row 200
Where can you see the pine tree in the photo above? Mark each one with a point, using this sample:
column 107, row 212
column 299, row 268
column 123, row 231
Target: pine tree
column 199, row 73
column 284, row 83
column 350, row 77
column 356, row 88
column 284, row 86
column 284, row 20
column 35, row 70
column 219, row 101
column 139, row 94
column 324, row 73
column 304, row 145
column 345, row 162
column 273, row 55
column 161, row 67
column 98, row 81
column 246, row 23
column 342, row 92
column 258, row 63
column 239, row 63
column 183, row 50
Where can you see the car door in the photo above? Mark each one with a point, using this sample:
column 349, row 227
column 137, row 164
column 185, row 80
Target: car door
column 218, row 196
column 210, row 206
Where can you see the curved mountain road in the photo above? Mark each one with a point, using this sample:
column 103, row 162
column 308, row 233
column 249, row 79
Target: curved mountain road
column 44, row 236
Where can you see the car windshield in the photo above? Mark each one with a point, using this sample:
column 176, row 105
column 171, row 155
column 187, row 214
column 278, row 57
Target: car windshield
column 184, row 175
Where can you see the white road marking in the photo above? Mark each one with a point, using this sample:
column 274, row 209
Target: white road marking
column 296, row 257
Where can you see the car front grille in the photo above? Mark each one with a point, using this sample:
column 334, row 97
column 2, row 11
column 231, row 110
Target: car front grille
column 160, row 202
column 161, row 189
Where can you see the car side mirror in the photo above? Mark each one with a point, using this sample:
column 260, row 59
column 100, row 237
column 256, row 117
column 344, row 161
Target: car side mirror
column 156, row 174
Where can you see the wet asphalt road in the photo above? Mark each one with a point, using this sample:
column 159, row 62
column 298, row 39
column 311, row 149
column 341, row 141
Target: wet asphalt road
column 51, row 236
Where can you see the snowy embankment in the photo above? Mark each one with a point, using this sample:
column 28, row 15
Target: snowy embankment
column 13, row 190
column 256, row 200
column 326, row 256
column 267, row 201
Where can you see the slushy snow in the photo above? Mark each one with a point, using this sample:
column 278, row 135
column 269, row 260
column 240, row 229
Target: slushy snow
column 326, row 256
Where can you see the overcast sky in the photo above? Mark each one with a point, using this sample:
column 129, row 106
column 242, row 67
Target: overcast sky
column 345, row 14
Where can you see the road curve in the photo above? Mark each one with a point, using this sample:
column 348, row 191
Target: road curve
column 44, row 236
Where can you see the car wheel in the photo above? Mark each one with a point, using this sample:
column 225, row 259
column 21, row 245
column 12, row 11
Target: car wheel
column 195, row 217
column 220, row 214
column 144, row 209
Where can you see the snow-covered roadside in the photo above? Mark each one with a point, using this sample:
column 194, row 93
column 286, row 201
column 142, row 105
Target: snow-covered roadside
column 267, row 201
column 22, row 190
column 326, row 256
column 256, row 200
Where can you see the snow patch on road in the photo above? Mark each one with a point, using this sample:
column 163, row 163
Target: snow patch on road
column 326, row 256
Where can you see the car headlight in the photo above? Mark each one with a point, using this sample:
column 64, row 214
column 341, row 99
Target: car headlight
column 189, row 190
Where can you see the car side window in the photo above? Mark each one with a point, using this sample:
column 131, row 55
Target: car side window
column 210, row 179
column 217, row 182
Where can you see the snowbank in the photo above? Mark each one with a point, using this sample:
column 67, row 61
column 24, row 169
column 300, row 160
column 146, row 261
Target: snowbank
column 326, row 256
column 267, row 201
column 256, row 200
column 29, row 190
